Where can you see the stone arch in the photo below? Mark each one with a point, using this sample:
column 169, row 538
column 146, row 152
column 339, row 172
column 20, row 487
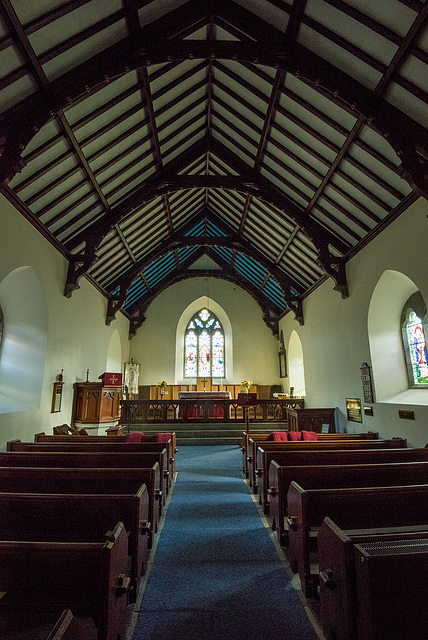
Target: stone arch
column 114, row 354
column 296, row 368
column 388, row 363
column 181, row 327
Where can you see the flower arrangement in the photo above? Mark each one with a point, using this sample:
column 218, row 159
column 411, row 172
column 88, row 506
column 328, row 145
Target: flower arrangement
column 163, row 384
column 246, row 384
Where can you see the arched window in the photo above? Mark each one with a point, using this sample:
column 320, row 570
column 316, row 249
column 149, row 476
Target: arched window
column 204, row 346
column 413, row 325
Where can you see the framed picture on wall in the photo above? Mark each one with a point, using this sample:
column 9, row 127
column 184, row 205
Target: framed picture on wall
column 56, row 397
column 282, row 364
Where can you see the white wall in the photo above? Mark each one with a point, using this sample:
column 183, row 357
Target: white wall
column 255, row 349
column 77, row 337
column 335, row 337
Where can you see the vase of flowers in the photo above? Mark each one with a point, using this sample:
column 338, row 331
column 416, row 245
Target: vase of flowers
column 162, row 386
column 247, row 385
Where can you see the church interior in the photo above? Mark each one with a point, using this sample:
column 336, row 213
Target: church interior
column 204, row 200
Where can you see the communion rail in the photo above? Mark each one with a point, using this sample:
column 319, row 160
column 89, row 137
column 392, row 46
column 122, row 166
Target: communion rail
column 197, row 410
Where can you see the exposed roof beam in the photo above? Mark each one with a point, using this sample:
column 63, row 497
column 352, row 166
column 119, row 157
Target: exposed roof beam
column 406, row 136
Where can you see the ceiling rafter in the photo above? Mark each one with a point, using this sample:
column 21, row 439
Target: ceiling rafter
column 266, row 155
column 181, row 239
column 403, row 133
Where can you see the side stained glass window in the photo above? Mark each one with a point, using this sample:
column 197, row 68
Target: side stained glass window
column 204, row 346
column 413, row 333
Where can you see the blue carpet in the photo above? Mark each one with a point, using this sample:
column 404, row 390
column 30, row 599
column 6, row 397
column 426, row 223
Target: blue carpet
column 217, row 575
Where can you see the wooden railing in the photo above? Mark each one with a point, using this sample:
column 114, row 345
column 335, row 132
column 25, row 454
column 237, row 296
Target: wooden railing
column 188, row 411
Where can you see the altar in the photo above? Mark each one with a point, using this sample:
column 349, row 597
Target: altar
column 196, row 410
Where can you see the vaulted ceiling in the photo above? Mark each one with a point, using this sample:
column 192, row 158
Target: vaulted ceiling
column 263, row 142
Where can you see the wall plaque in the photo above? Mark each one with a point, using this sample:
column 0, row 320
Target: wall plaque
column 366, row 380
column 353, row 410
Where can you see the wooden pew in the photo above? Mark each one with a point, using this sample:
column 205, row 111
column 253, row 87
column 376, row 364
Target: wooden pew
column 90, row 578
column 333, row 477
column 394, row 443
column 69, row 517
column 267, row 437
column 396, row 608
column 105, row 446
column 332, row 457
column 382, row 506
column 85, row 480
column 61, row 439
column 90, row 459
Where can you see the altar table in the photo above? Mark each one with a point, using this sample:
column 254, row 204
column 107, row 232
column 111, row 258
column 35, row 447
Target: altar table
column 193, row 411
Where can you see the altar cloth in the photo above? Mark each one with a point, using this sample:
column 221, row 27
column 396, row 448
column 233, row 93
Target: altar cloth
column 193, row 411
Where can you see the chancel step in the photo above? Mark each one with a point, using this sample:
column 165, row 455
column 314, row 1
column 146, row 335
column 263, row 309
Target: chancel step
column 206, row 433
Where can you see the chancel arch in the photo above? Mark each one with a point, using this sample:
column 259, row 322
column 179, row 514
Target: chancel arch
column 296, row 366
column 22, row 363
column 390, row 378
column 188, row 313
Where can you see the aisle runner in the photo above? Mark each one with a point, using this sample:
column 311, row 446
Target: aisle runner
column 216, row 573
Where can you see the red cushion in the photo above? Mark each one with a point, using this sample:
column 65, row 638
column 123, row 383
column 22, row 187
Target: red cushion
column 163, row 437
column 134, row 436
column 309, row 435
column 279, row 436
column 294, row 435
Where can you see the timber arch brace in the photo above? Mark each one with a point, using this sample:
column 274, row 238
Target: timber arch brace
column 407, row 137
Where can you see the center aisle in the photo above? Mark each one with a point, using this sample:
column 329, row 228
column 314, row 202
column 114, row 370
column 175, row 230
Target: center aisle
column 217, row 574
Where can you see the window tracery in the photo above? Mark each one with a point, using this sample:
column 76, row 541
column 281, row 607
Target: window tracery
column 204, row 346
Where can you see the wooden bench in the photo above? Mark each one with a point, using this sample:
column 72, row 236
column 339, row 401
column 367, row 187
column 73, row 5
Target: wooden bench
column 64, row 439
column 394, row 443
column 332, row 457
column 89, row 578
column 394, row 608
column 367, row 507
column 106, row 447
column 333, row 477
column 85, row 480
column 69, row 517
column 267, row 437
column 90, row 459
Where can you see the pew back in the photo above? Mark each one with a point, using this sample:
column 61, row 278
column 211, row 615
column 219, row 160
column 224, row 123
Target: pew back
column 89, row 459
column 331, row 477
column 89, row 578
column 351, row 508
column 105, row 446
column 321, row 437
column 331, row 457
column 319, row 445
column 85, row 480
column 69, row 517
column 338, row 591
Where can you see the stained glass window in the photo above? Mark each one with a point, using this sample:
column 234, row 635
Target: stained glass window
column 413, row 332
column 204, row 346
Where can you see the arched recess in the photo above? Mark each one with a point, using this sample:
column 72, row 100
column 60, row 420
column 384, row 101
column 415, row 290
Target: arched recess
column 192, row 308
column 24, row 348
column 114, row 354
column 386, row 348
column 296, row 368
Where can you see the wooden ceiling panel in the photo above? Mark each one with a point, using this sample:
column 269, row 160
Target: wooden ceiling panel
column 281, row 134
